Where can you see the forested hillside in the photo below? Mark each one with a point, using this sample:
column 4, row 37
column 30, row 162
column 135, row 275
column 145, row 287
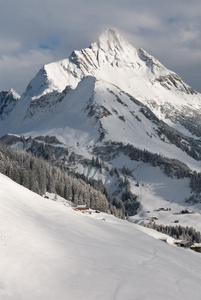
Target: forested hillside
column 40, row 176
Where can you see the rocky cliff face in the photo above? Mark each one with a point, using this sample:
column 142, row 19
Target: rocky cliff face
column 7, row 102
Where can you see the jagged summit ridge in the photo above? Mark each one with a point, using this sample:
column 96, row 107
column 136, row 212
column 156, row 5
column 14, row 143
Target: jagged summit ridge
column 110, row 49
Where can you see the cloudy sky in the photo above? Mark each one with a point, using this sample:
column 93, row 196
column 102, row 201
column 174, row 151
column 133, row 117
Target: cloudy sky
column 33, row 33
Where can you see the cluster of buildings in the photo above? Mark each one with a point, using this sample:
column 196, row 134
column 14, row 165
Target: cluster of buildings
column 187, row 244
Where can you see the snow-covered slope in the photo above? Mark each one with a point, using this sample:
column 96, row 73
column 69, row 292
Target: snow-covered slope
column 49, row 251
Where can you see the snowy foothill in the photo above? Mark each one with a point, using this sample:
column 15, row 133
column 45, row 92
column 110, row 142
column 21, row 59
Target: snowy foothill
column 50, row 251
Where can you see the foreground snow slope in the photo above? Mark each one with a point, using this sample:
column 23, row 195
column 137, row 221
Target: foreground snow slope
column 49, row 251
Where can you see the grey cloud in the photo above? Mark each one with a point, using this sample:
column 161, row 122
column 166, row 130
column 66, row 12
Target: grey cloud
column 36, row 32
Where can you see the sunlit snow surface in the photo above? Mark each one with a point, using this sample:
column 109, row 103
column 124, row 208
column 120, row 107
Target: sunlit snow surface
column 48, row 251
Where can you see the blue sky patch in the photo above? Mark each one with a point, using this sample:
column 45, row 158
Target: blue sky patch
column 171, row 21
column 44, row 46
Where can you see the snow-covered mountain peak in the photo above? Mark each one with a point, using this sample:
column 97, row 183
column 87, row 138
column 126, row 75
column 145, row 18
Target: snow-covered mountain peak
column 111, row 39
column 13, row 93
column 110, row 51
column 111, row 59
column 112, row 62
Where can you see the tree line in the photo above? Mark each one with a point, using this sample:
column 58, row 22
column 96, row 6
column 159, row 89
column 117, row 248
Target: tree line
column 170, row 167
column 177, row 232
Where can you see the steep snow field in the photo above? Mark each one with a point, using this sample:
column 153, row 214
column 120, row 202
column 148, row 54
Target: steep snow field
column 48, row 251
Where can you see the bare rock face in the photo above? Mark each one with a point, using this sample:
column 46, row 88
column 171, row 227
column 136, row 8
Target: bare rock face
column 7, row 102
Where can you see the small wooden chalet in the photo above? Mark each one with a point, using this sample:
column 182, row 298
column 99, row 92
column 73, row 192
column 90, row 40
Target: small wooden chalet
column 81, row 207
column 183, row 243
column 196, row 247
